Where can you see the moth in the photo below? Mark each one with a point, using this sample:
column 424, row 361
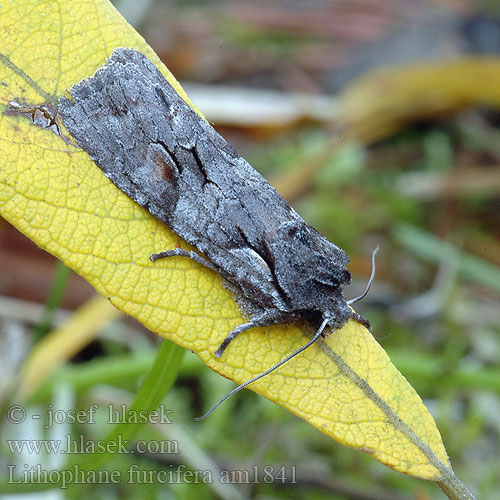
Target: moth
column 169, row 160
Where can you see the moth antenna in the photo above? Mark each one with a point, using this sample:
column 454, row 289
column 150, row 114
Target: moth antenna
column 370, row 281
column 263, row 374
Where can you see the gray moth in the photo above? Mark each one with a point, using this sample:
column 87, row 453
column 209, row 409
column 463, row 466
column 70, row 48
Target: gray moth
column 169, row 160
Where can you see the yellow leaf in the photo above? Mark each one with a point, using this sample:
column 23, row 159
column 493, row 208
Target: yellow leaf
column 381, row 102
column 345, row 386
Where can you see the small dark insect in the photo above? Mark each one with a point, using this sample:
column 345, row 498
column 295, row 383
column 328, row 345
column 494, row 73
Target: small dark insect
column 163, row 155
column 43, row 115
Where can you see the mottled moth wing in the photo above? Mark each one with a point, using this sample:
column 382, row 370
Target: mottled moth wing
column 168, row 159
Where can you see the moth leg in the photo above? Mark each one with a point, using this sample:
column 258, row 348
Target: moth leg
column 261, row 320
column 183, row 253
column 357, row 317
